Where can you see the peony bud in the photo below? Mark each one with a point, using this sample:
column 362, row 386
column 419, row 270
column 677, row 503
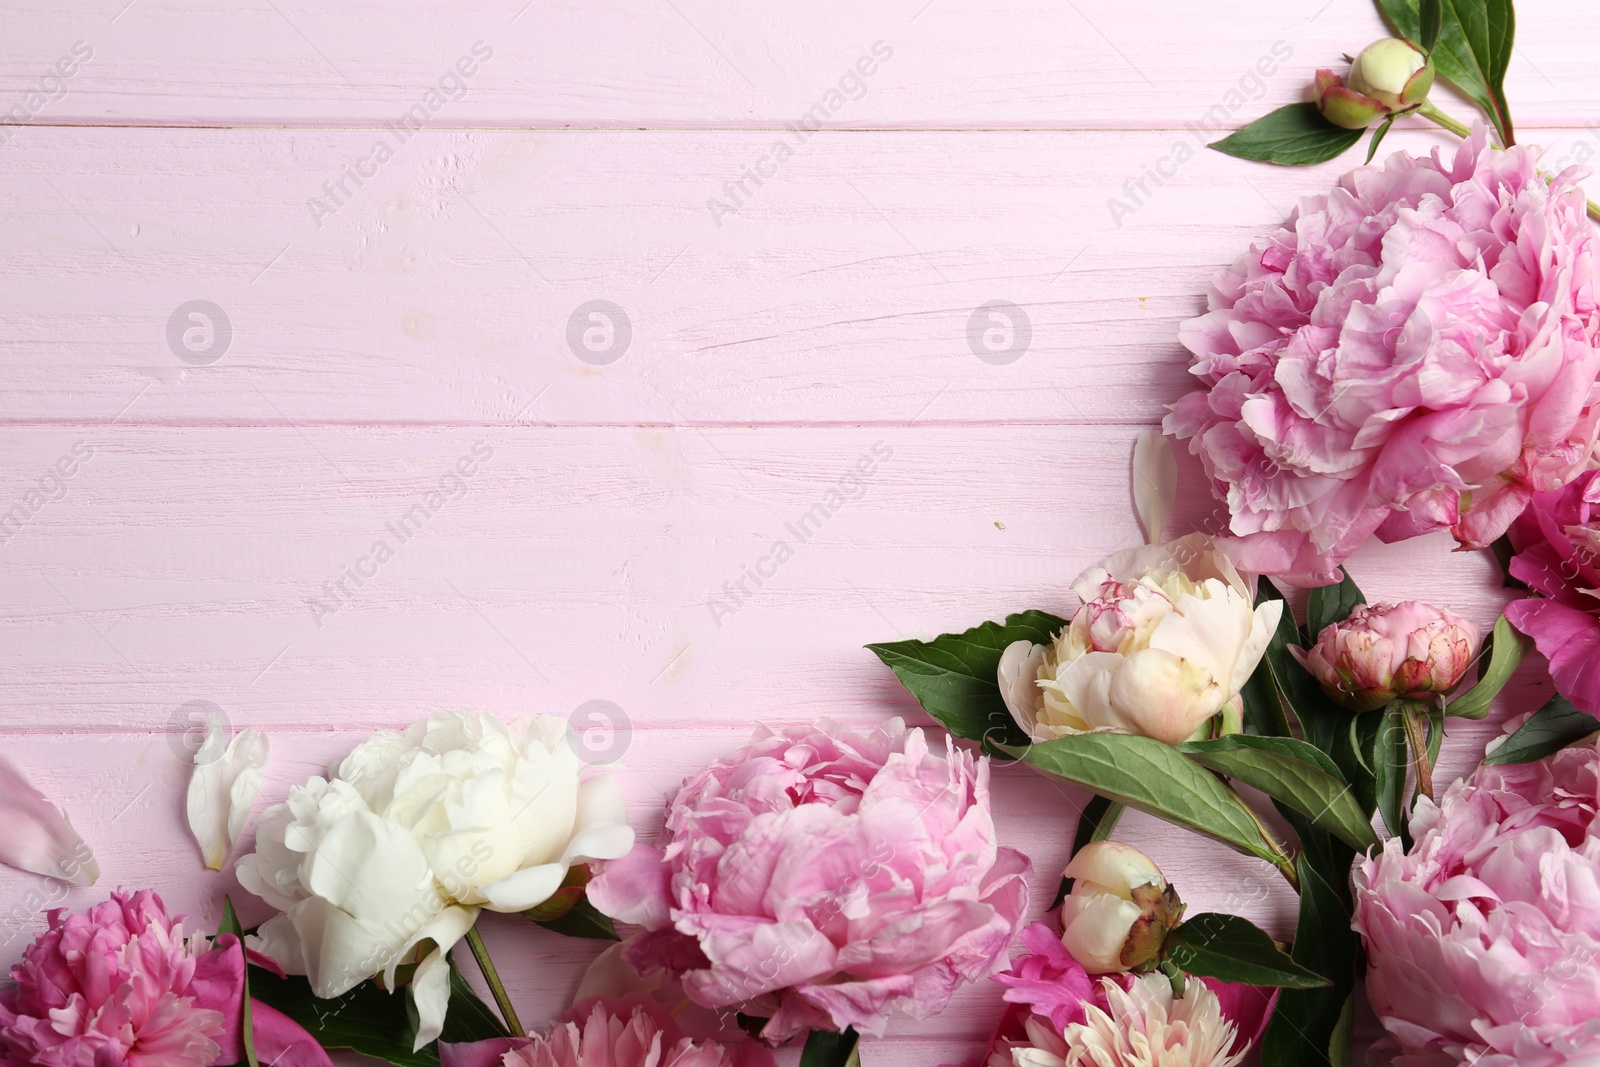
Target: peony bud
column 1388, row 651
column 1389, row 77
column 1119, row 911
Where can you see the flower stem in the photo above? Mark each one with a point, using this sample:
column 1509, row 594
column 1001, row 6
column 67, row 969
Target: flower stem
column 1175, row 976
column 1460, row 129
column 1414, row 717
column 1282, row 861
column 480, row 952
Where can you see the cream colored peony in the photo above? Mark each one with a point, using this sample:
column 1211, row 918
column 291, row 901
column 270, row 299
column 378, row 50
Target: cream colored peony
column 389, row 860
column 1166, row 638
column 1119, row 911
column 1146, row 1026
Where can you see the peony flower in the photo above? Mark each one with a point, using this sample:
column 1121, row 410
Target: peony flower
column 1389, row 77
column 823, row 877
column 634, row 1032
column 1385, row 651
column 1555, row 542
column 412, row 836
column 1119, row 911
column 123, row 986
column 1483, row 941
column 1060, row 1016
column 1414, row 351
column 1165, row 639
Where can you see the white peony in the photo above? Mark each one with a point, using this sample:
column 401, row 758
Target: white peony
column 1100, row 912
column 412, row 835
column 1166, row 638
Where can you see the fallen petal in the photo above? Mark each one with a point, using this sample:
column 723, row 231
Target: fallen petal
column 223, row 789
column 36, row 836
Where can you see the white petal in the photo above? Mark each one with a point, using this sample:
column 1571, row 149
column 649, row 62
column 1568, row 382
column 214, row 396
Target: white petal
column 1095, row 928
column 371, row 868
column 1086, row 684
column 223, row 789
column 1160, row 695
column 430, row 992
column 1155, row 482
column 1265, row 624
column 1208, row 631
column 1121, row 868
column 527, row 888
column 602, row 840
column 1019, row 682
column 600, row 799
column 36, row 836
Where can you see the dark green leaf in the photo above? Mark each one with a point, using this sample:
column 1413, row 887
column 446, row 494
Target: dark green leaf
column 1095, row 823
column 367, row 1019
column 1329, row 604
column 1295, row 134
column 1379, row 132
column 1432, row 18
column 826, row 1048
column 1235, row 950
column 954, row 675
column 584, row 920
column 1472, row 52
column 1265, row 712
column 1294, row 773
column 1148, row 776
column 1501, row 655
column 1307, row 1026
column 469, row 1018
column 1321, row 720
column 1551, row 729
column 1390, row 759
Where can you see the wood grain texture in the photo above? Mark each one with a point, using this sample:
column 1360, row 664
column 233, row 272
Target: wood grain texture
column 419, row 317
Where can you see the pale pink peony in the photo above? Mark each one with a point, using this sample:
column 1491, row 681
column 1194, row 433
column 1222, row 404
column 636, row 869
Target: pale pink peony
column 1384, row 651
column 1556, row 541
column 1414, row 351
column 1483, row 941
column 1059, row 1015
column 634, row 1032
column 122, row 985
column 824, row 877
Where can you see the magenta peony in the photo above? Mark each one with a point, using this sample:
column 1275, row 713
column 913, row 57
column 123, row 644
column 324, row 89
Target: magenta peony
column 1483, row 940
column 122, row 985
column 1555, row 542
column 1384, row 651
column 1414, row 351
column 1059, row 1015
column 823, row 877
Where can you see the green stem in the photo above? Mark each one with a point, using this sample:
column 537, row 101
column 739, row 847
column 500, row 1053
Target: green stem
column 1175, row 976
column 480, row 952
column 1460, row 129
column 1281, row 861
column 1413, row 716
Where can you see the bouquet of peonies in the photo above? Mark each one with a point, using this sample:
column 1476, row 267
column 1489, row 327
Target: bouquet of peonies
column 1415, row 351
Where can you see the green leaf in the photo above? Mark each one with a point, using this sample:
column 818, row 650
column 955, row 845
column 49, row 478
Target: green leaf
column 1551, row 729
column 1431, row 14
column 1295, row 134
column 247, row 1030
column 1308, row 1025
column 1294, row 773
column 1265, row 711
column 1235, row 950
column 954, row 675
column 1472, row 52
column 1379, row 132
column 469, row 1018
column 1148, row 776
column 827, row 1048
column 367, row 1019
column 1389, row 762
column 1331, row 604
column 1096, row 823
column 1501, row 655
column 584, row 920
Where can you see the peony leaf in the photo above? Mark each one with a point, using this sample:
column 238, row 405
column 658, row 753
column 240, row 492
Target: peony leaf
column 829, row 1048
column 1148, row 776
column 582, row 920
column 1501, row 655
column 1095, row 823
column 36, row 836
column 1551, row 729
column 1389, row 760
column 1330, row 604
column 367, row 1019
column 954, row 676
column 1235, row 950
column 1472, row 52
column 1308, row 1024
column 469, row 1018
column 1155, row 482
column 1295, row 134
column 247, row 1037
column 1379, row 132
column 1292, row 773
column 1266, row 711
column 1431, row 14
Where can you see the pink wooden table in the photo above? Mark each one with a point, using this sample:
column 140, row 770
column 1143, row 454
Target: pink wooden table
column 399, row 216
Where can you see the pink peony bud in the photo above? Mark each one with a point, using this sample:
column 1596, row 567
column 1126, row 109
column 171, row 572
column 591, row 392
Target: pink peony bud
column 1389, row 77
column 1388, row 651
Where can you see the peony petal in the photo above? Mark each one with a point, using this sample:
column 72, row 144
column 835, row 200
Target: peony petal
column 635, row 889
column 1018, row 676
column 223, row 789
column 282, row 1042
column 36, row 836
column 525, row 889
column 489, row 1053
column 1155, row 482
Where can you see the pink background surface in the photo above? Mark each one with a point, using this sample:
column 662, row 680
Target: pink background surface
column 771, row 347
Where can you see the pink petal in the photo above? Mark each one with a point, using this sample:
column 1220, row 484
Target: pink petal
column 35, row 835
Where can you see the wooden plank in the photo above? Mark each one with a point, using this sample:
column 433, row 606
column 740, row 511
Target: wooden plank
column 611, row 63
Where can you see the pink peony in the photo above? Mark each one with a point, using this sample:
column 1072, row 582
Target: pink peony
column 634, row 1032
column 822, row 877
column 1555, row 542
column 123, row 986
column 1384, row 651
column 1483, row 941
column 1058, row 1013
column 1414, row 351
